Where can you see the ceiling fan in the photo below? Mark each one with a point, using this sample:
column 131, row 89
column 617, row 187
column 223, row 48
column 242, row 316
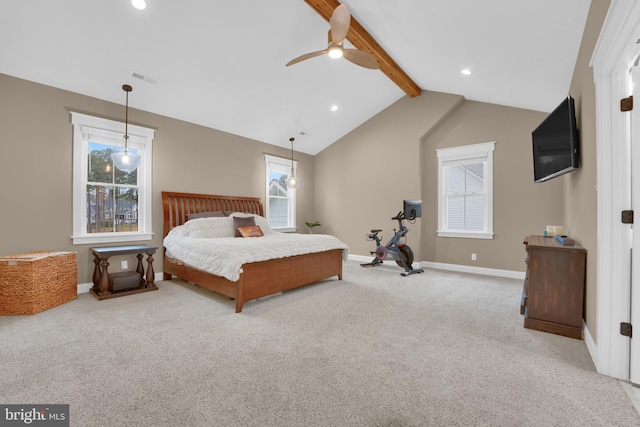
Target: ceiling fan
column 339, row 23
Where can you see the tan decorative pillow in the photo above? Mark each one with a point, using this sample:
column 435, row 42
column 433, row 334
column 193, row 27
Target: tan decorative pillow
column 252, row 231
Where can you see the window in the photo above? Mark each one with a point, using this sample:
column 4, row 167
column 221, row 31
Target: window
column 281, row 201
column 465, row 191
column 109, row 205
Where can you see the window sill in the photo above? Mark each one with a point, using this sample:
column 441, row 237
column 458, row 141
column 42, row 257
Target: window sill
column 465, row 235
column 111, row 238
column 285, row 229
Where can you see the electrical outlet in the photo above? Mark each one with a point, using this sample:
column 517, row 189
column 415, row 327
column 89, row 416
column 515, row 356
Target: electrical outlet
column 473, row 257
column 124, row 265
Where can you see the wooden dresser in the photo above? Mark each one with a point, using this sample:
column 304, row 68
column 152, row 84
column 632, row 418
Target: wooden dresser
column 553, row 293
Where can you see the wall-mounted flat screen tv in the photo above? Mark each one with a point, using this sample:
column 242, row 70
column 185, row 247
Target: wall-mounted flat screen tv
column 555, row 143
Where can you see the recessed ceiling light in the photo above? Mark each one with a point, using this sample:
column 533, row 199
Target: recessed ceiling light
column 139, row 4
column 466, row 71
column 334, row 108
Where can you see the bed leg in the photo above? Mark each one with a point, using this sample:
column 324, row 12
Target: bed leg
column 240, row 293
column 166, row 276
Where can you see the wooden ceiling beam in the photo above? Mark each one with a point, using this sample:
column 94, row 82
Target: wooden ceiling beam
column 362, row 40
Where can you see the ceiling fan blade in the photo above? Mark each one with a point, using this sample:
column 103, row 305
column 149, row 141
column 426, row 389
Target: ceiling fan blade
column 306, row 56
column 361, row 58
column 339, row 22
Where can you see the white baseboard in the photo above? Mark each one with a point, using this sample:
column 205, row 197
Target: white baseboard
column 590, row 343
column 83, row 288
column 454, row 267
column 360, row 258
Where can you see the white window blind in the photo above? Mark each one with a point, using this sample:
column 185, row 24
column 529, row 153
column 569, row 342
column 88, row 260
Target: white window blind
column 281, row 200
column 465, row 191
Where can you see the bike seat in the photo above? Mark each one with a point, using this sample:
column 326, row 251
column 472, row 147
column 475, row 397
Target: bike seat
column 376, row 231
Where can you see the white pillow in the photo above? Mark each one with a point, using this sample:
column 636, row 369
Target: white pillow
column 260, row 221
column 210, row 227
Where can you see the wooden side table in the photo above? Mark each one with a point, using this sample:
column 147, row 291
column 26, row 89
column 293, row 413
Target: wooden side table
column 553, row 291
column 101, row 255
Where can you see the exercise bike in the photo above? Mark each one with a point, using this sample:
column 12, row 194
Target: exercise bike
column 399, row 251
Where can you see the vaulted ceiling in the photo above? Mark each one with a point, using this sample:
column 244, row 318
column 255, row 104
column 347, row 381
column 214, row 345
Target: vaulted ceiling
column 222, row 64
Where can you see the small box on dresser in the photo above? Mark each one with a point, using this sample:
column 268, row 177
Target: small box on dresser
column 36, row 281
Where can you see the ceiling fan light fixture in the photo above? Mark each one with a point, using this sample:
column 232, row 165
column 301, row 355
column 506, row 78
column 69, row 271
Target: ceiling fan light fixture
column 139, row 4
column 335, row 52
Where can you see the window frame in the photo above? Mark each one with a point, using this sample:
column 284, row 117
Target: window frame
column 140, row 138
column 466, row 154
column 274, row 163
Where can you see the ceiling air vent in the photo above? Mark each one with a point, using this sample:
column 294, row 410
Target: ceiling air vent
column 140, row 76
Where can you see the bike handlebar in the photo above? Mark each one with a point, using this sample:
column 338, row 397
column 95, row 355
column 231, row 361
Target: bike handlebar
column 401, row 216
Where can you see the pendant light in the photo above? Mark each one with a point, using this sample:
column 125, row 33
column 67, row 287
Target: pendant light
column 292, row 181
column 126, row 160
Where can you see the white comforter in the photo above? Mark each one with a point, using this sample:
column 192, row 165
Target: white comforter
column 224, row 256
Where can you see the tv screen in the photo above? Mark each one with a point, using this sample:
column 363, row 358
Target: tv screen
column 412, row 209
column 555, row 143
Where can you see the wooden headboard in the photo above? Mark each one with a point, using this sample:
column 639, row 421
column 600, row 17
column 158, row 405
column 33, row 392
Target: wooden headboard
column 177, row 206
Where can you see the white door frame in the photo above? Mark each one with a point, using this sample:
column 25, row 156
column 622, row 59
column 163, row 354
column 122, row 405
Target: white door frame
column 634, row 159
column 614, row 54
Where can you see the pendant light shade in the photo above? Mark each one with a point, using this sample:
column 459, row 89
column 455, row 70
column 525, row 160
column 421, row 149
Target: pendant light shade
column 292, row 182
column 126, row 160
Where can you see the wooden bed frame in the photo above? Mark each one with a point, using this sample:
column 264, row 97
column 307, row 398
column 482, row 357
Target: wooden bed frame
column 257, row 279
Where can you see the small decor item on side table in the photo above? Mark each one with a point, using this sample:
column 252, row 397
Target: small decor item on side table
column 565, row 240
column 310, row 225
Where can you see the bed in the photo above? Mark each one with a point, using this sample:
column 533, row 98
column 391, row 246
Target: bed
column 256, row 279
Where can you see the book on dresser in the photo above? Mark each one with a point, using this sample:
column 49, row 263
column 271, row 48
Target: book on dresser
column 553, row 292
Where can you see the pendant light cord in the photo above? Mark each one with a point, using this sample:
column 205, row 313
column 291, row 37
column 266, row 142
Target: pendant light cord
column 126, row 120
column 127, row 89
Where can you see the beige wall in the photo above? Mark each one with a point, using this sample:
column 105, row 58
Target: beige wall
column 580, row 209
column 520, row 206
column 36, row 166
column 361, row 179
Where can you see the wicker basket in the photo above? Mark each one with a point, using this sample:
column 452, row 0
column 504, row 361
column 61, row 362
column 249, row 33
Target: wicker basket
column 36, row 281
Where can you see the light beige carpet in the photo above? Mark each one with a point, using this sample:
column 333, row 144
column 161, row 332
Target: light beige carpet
column 376, row 349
